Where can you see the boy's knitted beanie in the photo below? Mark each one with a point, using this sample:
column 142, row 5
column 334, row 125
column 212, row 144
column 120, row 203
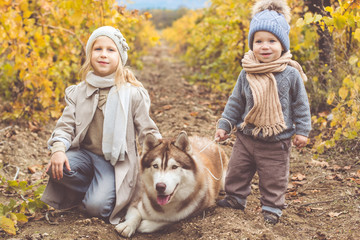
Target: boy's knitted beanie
column 115, row 35
column 271, row 16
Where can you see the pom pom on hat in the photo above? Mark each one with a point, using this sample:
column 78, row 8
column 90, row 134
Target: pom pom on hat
column 115, row 35
column 272, row 16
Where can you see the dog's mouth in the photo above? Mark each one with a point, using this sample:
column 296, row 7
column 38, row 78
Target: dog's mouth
column 164, row 199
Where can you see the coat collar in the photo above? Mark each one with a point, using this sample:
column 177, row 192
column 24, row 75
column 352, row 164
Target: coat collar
column 90, row 90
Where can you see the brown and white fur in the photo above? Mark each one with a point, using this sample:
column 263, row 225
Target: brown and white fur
column 176, row 182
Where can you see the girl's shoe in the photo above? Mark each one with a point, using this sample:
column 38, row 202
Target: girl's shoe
column 270, row 217
column 231, row 202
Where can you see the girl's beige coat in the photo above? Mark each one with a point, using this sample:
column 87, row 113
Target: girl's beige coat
column 82, row 100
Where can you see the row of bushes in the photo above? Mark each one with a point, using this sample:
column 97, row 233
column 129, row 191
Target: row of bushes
column 42, row 46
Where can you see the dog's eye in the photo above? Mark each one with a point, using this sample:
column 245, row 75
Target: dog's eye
column 155, row 166
column 174, row 167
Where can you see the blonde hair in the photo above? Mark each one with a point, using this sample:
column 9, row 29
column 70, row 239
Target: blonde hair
column 123, row 74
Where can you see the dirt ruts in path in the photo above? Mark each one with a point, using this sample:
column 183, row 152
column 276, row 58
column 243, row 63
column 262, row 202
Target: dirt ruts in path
column 176, row 105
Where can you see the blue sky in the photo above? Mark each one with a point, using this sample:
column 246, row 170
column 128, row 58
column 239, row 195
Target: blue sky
column 167, row 4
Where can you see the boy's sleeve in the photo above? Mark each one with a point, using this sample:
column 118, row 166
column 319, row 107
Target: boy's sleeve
column 235, row 106
column 301, row 107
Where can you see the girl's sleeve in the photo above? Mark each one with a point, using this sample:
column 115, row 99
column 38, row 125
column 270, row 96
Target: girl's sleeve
column 300, row 106
column 65, row 127
column 234, row 107
column 142, row 120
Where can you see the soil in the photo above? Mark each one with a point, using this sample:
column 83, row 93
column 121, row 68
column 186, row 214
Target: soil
column 323, row 194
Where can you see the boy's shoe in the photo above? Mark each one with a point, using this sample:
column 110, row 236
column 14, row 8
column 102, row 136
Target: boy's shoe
column 270, row 217
column 230, row 202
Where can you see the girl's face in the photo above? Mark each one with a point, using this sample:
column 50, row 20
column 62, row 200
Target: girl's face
column 105, row 56
column 266, row 47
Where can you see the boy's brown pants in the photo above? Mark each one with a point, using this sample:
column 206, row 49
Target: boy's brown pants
column 269, row 159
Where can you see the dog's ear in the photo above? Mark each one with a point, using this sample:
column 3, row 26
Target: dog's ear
column 182, row 142
column 150, row 142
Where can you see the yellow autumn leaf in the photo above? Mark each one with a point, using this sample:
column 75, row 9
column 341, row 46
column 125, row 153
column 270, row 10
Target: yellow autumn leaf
column 330, row 98
column 329, row 9
column 308, row 17
column 22, row 218
column 343, row 92
column 340, row 22
column 357, row 34
column 7, row 225
column 300, row 22
column 317, row 17
column 353, row 59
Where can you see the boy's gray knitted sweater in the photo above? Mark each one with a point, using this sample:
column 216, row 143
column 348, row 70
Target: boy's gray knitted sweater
column 293, row 99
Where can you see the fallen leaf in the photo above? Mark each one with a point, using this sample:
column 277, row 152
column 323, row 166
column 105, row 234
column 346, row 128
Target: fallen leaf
column 299, row 183
column 319, row 163
column 167, row 107
column 298, row 177
column 35, row 168
column 34, row 127
column 293, row 194
column 336, row 167
column 317, row 208
column 335, row 177
column 339, row 177
column 7, row 225
column 194, row 114
column 330, row 177
column 290, row 187
column 347, row 167
column 297, row 201
column 334, row 214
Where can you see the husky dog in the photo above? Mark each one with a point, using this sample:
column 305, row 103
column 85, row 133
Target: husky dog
column 180, row 177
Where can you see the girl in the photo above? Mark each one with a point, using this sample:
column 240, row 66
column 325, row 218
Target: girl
column 268, row 105
column 94, row 160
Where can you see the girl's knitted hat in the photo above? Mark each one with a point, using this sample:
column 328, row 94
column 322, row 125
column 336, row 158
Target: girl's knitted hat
column 115, row 35
column 272, row 16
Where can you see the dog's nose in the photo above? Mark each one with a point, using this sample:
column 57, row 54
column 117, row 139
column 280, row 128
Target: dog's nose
column 160, row 187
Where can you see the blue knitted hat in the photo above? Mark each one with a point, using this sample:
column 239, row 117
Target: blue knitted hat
column 115, row 35
column 271, row 16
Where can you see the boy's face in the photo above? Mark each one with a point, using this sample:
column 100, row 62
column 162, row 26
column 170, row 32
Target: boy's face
column 105, row 56
column 266, row 47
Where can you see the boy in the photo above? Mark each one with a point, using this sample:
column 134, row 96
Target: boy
column 268, row 105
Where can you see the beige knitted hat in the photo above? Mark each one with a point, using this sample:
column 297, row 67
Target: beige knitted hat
column 115, row 35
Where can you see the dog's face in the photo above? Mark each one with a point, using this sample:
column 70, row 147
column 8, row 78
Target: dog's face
column 168, row 169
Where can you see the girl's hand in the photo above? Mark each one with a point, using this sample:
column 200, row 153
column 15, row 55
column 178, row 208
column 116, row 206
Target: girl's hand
column 221, row 135
column 300, row 141
column 57, row 161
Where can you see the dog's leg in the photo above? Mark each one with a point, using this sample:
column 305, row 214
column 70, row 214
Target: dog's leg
column 131, row 223
column 148, row 226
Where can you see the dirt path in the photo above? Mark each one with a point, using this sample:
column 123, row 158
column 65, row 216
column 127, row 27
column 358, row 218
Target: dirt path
column 323, row 195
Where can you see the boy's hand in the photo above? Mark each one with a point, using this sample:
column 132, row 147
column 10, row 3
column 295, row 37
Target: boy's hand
column 57, row 161
column 221, row 135
column 300, row 141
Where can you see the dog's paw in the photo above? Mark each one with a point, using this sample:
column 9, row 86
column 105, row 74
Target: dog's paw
column 125, row 229
column 147, row 226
